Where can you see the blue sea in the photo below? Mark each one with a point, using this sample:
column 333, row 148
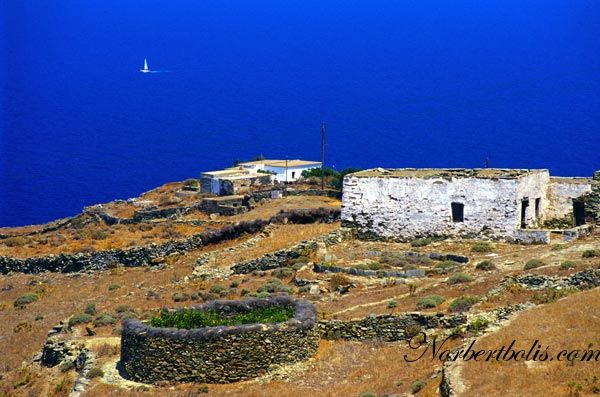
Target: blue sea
column 398, row 83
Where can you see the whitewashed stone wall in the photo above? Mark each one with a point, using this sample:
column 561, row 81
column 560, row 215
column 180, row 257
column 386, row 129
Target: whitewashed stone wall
column 560, row 195
column 402, row 208
column 533, row 186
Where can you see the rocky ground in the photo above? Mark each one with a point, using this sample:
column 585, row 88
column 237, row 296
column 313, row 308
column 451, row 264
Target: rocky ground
column 515, row 288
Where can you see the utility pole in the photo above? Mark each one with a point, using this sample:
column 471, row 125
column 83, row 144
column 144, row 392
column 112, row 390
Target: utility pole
column 322, row 156
column 286, row 175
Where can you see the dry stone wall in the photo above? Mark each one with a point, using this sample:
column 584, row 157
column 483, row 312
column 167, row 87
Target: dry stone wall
column 387, row 327
column 148, row 254
column 219, row 354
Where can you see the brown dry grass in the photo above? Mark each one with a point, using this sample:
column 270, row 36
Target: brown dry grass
column 570, row 323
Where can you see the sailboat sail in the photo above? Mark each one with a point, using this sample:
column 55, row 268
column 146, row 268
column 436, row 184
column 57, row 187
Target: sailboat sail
column 145, row 64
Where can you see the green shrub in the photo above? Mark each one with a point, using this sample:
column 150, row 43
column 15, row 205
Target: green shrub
column 272, row 286
column 417, row 386
column 104, row 319
column 463, row 304
column 446, row 267
column 375, row 266
column 66, row 366
column 458, row 278
column 81, row 318
column 557, row 247
column 123, row 309
column 566, row 265
column 97, row 234
column 482, row 247
column 362, row 266
column 95, row 372
column 533, row 263
column 548, row 295
column 395, row 259
column 430, row 301
column 114, row 286
column 90, row 309
column 590, row 253
column 420, row 242
column 479, row 324
column 282, row 272
column 189, row 318
column 180, row 297
column 485, row 265
column 216, row 289
column 392, row 304
column 234, row 284
column 300, row 260
column 25, row 299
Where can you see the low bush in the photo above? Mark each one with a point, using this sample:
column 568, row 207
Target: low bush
column 189, row 318
column 590, row 253
column 282, row 272
column 123, row 309
column 90, row 309
column 114, row 286
column 479, row 324
column 234, row 284
column 485, row 265
column 417, row 386
column 446, row 267
column 420, row 242
column 430, row 301
column 81, row 318
column 375, row 266
column 104, row 319
column 216, row 289
column 548, row 295
column 482, row 247
column 463, row 304
column 458, row 278
column 95, row 372
column 395, row 259
column 557, row 247
column 566, row 265
column 98, row 234
column 533, row 263
column 180, row 297
column 25, row 299
column 392, row 304
column 273, row 286
column 17, row 241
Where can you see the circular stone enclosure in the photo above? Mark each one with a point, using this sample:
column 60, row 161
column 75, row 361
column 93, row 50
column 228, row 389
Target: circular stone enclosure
column 221, row 354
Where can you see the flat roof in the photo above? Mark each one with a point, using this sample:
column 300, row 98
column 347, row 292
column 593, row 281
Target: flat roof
column 486, row 173
column 571, row 179
column 281, row 163
column 235, row 171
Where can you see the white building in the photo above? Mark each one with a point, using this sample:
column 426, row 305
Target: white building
column 402, row 204
column 283, row 170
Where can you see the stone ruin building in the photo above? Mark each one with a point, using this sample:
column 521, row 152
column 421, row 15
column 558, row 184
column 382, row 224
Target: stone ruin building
column 510, row 204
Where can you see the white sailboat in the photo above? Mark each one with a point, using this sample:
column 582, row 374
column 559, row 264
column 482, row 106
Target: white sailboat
column 145, row 69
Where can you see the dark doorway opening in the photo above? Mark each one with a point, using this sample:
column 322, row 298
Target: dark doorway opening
column 579, row 212
column 524, row 207
column 458, row 212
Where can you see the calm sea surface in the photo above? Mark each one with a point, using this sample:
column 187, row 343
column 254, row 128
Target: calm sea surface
column 399, row 84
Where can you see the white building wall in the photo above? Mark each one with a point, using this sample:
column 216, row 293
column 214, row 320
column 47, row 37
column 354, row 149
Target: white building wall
column 293, row 173
column 560, row 195
column 405, row 208
column 533, row 186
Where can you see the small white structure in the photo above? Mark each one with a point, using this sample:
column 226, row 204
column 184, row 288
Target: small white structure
column 283, row 170
column 235, row 180
column 502, row 203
